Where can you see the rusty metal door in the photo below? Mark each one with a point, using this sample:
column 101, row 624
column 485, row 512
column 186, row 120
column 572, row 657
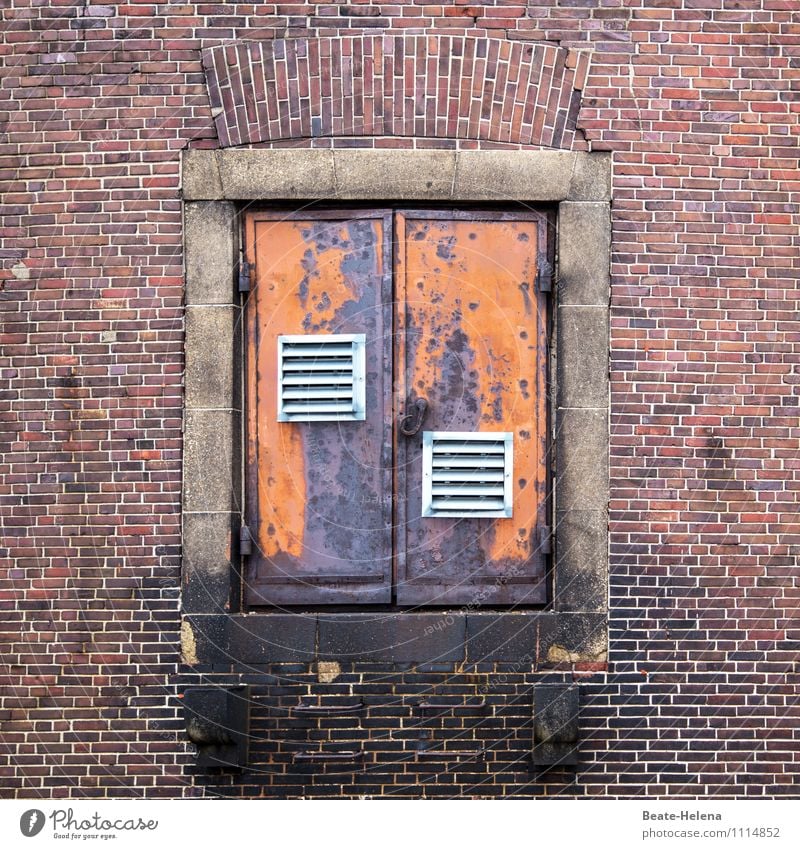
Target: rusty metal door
column 396, row 437
column 471, row 331
column 318, row 478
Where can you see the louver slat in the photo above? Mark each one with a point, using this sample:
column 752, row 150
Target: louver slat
column 484, row 491
column 316, row 346
column 309, row 395
column 467, row 475
column 476, row 475
column 338, row 379
column 303, row 364
column 452, row 462
column 321, row 378
column 467, row 507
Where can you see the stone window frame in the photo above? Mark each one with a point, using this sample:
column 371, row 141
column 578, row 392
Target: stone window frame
column 216, row 186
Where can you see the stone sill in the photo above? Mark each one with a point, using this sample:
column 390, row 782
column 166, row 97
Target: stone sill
column 541, row 638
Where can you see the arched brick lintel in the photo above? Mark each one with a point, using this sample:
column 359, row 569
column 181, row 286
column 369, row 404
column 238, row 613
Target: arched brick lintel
column 447, row 87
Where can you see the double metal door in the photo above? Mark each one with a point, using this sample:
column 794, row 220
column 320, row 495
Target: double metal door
column 396, row 415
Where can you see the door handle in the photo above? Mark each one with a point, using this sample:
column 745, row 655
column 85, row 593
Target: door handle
column 411, row 422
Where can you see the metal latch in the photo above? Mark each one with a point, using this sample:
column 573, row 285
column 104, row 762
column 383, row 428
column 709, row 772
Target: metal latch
column 412, row 420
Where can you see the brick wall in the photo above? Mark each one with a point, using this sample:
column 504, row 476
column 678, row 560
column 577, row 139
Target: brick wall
column 697, row 100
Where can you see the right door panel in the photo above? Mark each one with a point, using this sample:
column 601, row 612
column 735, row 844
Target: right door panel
column 472, row 341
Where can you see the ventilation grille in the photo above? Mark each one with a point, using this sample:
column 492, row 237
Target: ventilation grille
column 467, row 474
column 321, row 378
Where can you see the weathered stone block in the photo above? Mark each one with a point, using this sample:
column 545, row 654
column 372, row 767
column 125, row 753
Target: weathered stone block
column 572, row 637
column 581, row 573
column 273, row 638
column 218, row 723
column 502, row 637
column 200, row 179
column 584, row 238
column 555, row 725
column 392, row 637
column 209, row 378
column 394, row 175
column 211, row 252
column 582, row 460
column 591, row 177
column 582, row 356
column 207, row 562
column 502, row 175
column 277, row 174
column 208, row 473
column 204, row 640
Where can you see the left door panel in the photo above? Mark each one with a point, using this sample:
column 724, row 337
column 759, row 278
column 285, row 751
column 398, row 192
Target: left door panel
column 317, row 501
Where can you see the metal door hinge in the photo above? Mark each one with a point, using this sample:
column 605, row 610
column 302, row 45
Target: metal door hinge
column 244, row 276
column 245, row 541
column 544, row 275
column 545, row 540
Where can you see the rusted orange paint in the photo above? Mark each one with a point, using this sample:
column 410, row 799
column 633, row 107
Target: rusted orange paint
column 281, row 485
column 318, row 275
column 297, row 289
column 469, row 335
column 477, row 279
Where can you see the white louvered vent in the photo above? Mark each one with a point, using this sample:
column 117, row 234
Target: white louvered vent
column 321, row 378
column 467, row 474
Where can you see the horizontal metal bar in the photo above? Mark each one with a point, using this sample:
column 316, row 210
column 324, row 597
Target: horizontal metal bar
column 327, row 710
column 505, row 579
column 452, row 753
column 322, row 338
column 445, row 706
column 363, row 578
column 336, row 757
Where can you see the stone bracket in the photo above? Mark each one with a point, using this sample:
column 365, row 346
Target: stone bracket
column 218, row 723
column 555, row 725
